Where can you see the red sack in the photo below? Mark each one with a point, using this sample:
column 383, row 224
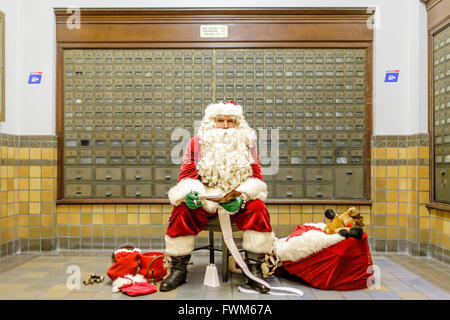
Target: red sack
column 138, row 288
column 126, row 262
column 152, row 266
column 342, row 266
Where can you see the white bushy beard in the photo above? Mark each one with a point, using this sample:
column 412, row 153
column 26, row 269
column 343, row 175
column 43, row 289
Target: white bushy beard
column 225, row 157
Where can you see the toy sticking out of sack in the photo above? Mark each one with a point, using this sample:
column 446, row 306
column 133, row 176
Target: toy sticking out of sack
column 135, row 273
column 347, row 224
column 332, row 256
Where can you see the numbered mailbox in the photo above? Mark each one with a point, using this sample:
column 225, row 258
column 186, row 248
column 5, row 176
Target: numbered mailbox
column 167, row 174
column 85, row 157
column 77, row 173
column 138, row 173
column 138, row 191
column 71, row 140
column 442, row 183
column 356, row 156
column 319, row 191
column 77, row 190
column 145, row 140
column 289, row 191
column 108, row 174
column 296, row 157
column 145, row 157
column 326, row 156
column 108, row 190
column 319, row 174
column 71, row 156
column 115, row 157
column 349, row 182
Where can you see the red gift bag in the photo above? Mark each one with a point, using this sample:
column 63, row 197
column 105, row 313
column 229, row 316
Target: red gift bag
column 152, row 266
column 342, row 266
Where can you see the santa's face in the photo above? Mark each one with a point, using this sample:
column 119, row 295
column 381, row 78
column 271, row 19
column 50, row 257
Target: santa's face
column 225, row 122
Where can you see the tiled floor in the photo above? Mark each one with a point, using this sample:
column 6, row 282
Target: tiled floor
column 48, row 276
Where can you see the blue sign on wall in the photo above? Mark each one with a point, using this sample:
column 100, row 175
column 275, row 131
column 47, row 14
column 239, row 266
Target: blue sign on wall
column 392, row 76
column 35, row 78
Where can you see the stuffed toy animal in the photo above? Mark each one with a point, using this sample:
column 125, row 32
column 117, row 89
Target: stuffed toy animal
column 347, row 224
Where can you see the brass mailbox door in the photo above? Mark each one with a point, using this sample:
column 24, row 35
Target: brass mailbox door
column 349, row 182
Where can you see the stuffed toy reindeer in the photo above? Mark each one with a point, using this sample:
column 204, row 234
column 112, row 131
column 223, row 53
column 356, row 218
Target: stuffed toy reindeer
column 347, row 224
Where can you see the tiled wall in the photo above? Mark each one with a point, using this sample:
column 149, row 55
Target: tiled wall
column 397, row 220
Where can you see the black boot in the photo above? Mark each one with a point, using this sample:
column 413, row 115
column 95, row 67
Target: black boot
column 254, row 261
column 178, row 273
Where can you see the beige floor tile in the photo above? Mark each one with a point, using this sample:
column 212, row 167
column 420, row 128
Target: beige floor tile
column 35, row 275
column 413, row 295
column 13, row 287
column 54, row 294
column 328, row 295
column 77, row 295
column 26, row 295
column 382, row 288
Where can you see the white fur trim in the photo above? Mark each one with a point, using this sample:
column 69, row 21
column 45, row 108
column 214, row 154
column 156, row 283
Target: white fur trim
column 178, row 193
column 307, row 243
column 257, row 242
column 127, row 250
column 254, row 189
column 179, row 246
column 119, row 282
column 223, row 109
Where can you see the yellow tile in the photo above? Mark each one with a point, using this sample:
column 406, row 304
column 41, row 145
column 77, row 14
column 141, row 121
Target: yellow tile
column 35, row 153
column 35, row 172
column 47, row 172
column 392, row 196
column 283, row 219
column 411, row 295
column 424, row 197
column 392, row 220
column 392, row 208
column 23, row 196
column 380, row 171
column 23, row 220
column 424, row 223
column 273, row 218
column 296, row 219
column 144, row 218
column 413, row 172
column 97, row 208
column 402, row 208
column 393, row 184
column 424, row 153
column 380, row 183
column 144, row 208
column 392, row 153
column 35, row 208
column 97, row 218
column 46, row 220
column 23, row 233
column 319, row 208
column 110, row 218
column 402, row 171
column 380, row 153
column 109, row 208
column 74, row 218
column 379, row 208
column 47, row 196
column 392, row 172
column 47, row 183
column 156, row 208
column 424, row 185
column 155, row 219
column 133, row 208
column 63, row 218
column 47, row 154
column 413, row 153
column 133, row 218
column 121, row 218
column 424, row 171
column 402, row 153
column 121, row 208
column 86, row 208
column 24, row 153
column 86, row 218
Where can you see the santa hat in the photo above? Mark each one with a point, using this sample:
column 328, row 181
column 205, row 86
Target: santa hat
column 126, row 265
column 227, row 108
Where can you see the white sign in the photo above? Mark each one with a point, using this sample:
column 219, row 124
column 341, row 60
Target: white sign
column 213, row 31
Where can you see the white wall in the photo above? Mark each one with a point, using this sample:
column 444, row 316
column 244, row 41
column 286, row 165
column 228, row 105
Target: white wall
column 12, row 66
column 399, row 43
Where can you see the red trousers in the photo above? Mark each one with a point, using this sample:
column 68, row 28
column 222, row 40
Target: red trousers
column 185, row 221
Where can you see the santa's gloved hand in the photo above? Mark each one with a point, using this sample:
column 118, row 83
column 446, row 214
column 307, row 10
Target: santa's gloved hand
column 233, row 205
column 192, row 200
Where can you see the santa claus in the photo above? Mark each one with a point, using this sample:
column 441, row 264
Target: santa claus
column 221, row 158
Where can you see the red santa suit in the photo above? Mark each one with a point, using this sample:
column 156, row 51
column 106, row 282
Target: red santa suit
column 253, row 218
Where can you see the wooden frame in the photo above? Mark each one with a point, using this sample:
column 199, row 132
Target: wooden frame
column 248, row 28
column 438, row 19
column 2, row 66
